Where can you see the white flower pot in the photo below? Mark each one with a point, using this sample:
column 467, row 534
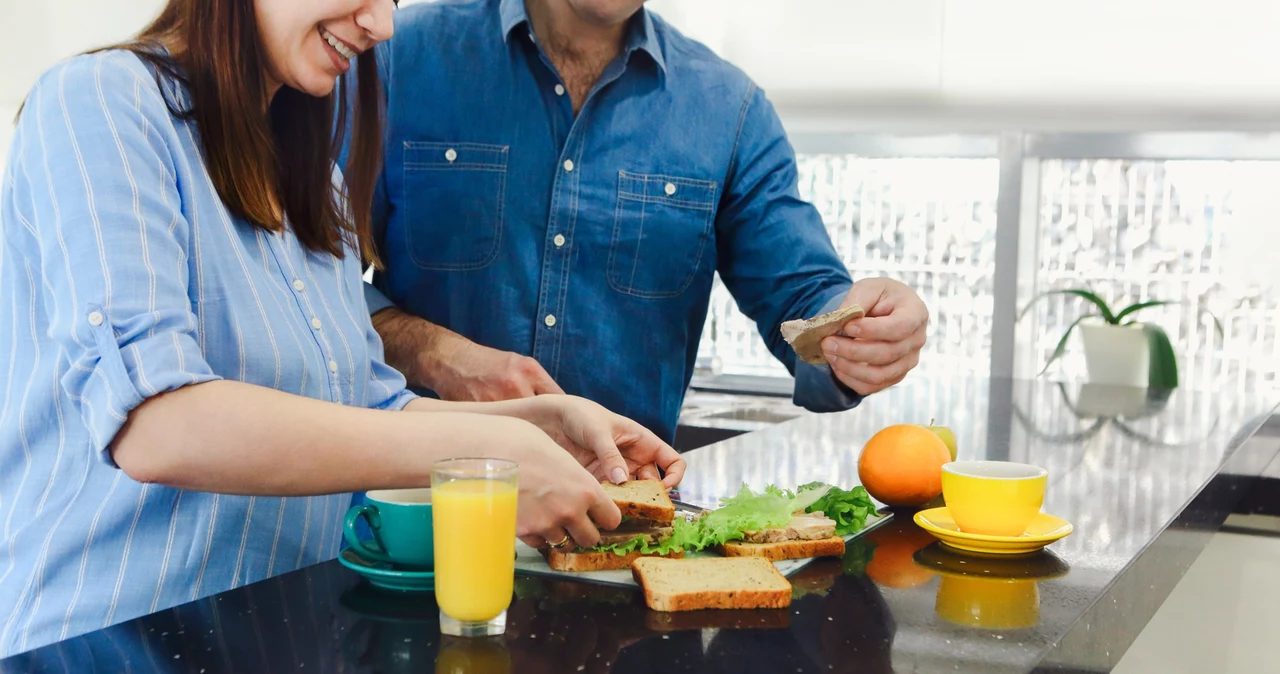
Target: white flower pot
column 1116, row 355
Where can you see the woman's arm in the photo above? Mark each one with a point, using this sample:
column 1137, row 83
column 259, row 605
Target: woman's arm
column 235, row 438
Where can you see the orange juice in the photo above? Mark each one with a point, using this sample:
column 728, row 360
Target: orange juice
column 475, row 546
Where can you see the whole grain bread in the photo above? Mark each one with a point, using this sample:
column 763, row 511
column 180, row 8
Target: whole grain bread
column 589, row 560
column 643, row 499
column 711, row 583
column 774, row 552
column 805, row 336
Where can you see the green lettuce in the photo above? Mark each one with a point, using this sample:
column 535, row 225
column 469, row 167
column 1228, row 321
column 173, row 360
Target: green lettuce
column 749, row 510
column 849, row 508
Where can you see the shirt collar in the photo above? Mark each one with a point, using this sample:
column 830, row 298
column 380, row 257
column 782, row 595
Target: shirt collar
column 642, row 34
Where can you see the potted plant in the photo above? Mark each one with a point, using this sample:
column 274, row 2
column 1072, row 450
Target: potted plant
column 1118, row 349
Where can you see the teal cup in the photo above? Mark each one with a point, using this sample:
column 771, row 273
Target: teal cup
column 400, row 520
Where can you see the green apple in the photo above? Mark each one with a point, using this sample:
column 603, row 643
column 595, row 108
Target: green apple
column 948, row 438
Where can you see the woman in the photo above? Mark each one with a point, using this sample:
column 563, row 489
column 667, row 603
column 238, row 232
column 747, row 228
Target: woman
column 181, row 307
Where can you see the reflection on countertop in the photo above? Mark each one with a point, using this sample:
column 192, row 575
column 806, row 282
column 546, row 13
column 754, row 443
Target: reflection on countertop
column 1142, row 477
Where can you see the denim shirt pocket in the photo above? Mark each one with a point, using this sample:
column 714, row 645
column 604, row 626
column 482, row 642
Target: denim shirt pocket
column 453, row 196
column 661, row 230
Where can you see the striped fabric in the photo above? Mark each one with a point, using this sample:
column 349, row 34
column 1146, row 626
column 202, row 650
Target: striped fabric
column 122, row 275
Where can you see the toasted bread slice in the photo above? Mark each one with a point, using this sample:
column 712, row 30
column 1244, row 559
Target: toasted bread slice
column 805, row 336
column 711, row 582
column 642, row 499
column 589, row 560
column 825, row 547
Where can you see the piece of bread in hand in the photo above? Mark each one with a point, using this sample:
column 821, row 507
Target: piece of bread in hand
column 642, row 499
column 711, row 583
column 595, row 560
column 805, row 335
column 774, row 552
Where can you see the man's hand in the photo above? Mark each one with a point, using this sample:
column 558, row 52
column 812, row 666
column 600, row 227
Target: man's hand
column 478, row 373
column 610, row 446
column 455, row 367
column 878, row 351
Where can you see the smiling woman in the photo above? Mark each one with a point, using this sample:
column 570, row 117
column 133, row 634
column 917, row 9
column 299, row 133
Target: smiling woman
column 190, row 387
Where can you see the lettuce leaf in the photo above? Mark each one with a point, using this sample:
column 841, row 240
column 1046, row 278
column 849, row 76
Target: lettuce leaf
column 681, row 537
column 849, row 508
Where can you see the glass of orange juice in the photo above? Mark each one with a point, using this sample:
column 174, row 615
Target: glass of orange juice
column 473, row 517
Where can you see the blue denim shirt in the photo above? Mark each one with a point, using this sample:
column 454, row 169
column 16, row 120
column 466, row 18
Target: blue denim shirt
column 591, row 243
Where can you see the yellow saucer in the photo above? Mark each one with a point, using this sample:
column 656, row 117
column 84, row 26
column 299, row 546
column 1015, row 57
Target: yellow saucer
column 1043, row 530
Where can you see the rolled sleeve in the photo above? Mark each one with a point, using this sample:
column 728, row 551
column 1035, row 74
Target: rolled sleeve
column 376, row 300
column 113, row 250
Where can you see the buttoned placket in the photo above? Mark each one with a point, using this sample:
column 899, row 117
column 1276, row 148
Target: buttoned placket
column 557, row 252
column 302, row 298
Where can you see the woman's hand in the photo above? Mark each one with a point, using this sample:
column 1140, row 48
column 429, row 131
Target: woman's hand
column 610, row 446
column 558, row 500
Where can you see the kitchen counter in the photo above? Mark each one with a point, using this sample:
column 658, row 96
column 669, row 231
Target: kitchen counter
column 1146, row 480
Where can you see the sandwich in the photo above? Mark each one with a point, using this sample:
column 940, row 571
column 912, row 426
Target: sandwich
column 805, row 535
column 648, row 529
column 779, row 524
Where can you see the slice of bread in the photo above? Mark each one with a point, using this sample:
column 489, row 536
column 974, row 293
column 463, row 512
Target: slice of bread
column 805, row 336
column 774, row 552
column 711, row 582
column 579, row 560
column 642, row 499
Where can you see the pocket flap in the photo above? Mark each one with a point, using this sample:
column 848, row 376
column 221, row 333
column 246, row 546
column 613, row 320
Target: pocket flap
column 671, row 190
column 424, row 155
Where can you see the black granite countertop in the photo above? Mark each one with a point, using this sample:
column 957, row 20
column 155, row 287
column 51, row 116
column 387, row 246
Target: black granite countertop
column 1145, row 479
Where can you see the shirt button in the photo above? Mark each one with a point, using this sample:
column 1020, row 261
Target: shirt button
column 315, row 323
column 670, row 189
column 559, row 240
column 550, row 320
column 298, row 285
column 568, row 164
column 451, row 154
column 559, row 89
column 333, row 366
column 95, row 319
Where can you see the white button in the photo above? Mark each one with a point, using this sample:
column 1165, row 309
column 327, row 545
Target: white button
column 451, row 154
column 298, row 285
column 333, row 366
column 568, row 164
column 315, row 323
column 670, row 189
column 559, row 89
column 95, row 319
column 550, row 321
column 559, row 240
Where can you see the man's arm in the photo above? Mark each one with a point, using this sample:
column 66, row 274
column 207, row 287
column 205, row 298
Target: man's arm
column 780, row 264
column 776, row 257
column 434, row 357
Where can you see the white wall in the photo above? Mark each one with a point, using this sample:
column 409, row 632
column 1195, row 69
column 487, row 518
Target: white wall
column 1180, row 63
column 37, row 33
column 891, row 64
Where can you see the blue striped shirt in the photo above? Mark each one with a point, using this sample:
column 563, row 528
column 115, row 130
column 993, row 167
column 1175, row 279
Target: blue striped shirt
column 123, row 275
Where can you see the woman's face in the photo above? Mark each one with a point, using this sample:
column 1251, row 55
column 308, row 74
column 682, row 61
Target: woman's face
column 310, row 43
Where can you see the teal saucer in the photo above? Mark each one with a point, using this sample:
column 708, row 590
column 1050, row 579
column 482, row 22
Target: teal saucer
column 386, row 576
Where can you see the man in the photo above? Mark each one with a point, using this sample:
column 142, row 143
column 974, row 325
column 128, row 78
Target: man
column 563, row 178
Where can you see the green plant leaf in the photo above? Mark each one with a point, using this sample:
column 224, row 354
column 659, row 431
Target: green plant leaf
column 1217, row 324
column 1163, row 371
column 1062, row 343
column 1134, row 308
column 1103, row 309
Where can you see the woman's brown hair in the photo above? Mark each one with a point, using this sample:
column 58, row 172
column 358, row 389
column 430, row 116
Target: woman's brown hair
column 267, row 167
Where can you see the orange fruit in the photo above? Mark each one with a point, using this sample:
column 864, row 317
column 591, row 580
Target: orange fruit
column 902, row 465
column 892, row 563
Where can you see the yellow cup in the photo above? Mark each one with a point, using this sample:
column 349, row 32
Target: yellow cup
column 996, row 498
